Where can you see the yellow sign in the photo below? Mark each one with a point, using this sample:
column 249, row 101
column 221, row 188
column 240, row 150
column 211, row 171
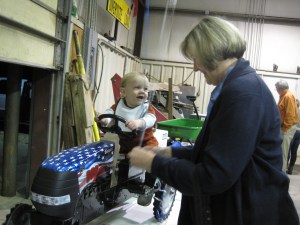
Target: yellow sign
column 120, row 10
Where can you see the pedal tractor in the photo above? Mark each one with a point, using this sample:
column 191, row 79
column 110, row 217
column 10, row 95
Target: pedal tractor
column 74, row 186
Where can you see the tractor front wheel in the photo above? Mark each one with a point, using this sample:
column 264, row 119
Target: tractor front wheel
column 163, row 201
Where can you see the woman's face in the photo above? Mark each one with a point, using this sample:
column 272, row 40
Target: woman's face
column 135, row 91
column 213, row 77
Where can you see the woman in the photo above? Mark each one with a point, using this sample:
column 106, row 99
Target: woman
column 232, row 175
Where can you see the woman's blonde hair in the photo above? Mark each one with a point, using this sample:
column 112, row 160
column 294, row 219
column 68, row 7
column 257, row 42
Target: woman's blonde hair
column 130, row 76
column 212, row 40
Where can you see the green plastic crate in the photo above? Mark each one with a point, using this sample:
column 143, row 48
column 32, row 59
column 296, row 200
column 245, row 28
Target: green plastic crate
column 181, row 128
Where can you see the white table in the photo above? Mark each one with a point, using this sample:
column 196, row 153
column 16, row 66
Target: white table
column 132, row 213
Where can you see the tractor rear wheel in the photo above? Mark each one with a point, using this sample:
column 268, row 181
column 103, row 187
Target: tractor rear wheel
column 19, row 215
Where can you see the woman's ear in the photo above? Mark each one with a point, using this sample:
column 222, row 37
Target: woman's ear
column 122, row 92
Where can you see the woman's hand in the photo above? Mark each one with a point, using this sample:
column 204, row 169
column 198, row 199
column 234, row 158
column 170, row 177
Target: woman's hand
column 164, row 151
column 142, row 158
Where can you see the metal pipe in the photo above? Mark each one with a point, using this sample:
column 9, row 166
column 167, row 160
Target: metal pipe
column 170, row 99
column 55, row 145
column 117, row 49
column 262, row 21
column 251, row 32
column 230, row 14
column 11, row 129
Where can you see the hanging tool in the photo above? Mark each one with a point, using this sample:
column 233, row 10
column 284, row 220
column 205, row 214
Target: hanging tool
column 81, row 71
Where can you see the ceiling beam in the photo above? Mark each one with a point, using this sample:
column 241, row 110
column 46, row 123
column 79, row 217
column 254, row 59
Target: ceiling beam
column 271, row 19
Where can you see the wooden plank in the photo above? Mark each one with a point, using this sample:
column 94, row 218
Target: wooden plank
column 170, row 100
column 82, row 109
column 68, row 122
column 88, row 135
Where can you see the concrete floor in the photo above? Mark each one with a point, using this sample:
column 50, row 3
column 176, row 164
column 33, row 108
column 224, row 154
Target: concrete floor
column 131, row 213
column 126, row 214
column 294, row 186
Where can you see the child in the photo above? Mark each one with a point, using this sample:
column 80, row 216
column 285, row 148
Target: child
column 139, row 116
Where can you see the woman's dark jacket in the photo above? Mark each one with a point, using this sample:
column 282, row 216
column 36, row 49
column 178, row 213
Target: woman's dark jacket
column 233, row 175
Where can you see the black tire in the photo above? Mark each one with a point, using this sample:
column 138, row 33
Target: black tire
column 19, row 215
column 163, row 202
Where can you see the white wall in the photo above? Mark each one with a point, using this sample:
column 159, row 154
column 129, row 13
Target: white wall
column 164, row 44
column 271, row 78
column 113, row 60
column 280, row 45
column 279, row 8
column 269, row 43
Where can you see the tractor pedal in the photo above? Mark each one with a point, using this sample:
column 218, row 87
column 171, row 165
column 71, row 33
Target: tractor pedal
column 136, row 187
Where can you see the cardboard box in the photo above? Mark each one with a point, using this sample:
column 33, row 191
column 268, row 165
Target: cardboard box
column 162, row 137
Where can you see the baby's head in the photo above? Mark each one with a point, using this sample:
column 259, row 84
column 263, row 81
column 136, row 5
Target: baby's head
column 134, row 88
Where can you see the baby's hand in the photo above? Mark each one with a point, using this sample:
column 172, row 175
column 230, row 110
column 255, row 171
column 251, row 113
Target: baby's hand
column 104, row 122
column 132, row 124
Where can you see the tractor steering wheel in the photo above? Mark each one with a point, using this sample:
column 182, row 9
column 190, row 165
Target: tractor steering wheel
column 115, row 128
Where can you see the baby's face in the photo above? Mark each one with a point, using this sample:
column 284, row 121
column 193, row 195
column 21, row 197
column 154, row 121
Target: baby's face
column 136, row 91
